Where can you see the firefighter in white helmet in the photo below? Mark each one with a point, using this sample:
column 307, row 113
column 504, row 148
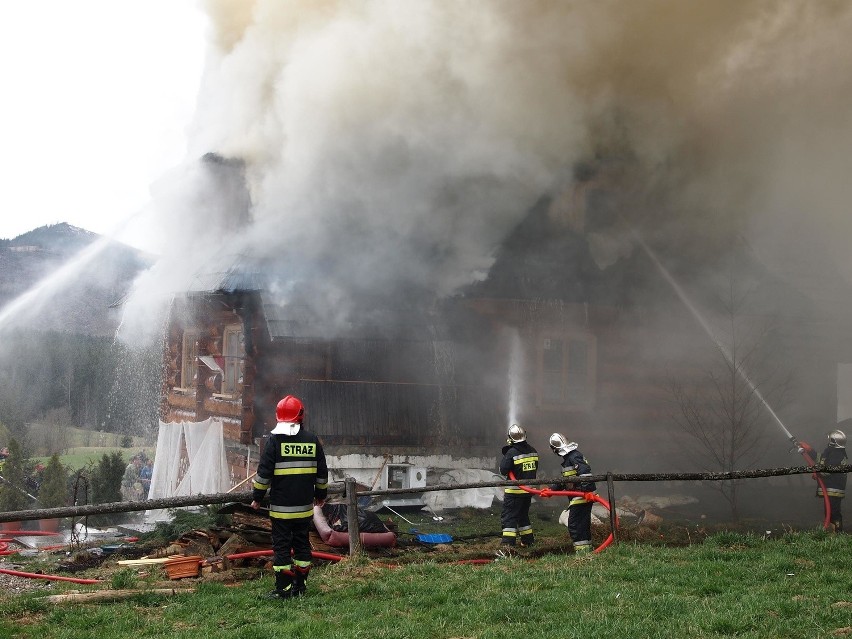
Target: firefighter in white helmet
column 520, row 459
column 293, row 468
column 835, row 483
column 574, row 464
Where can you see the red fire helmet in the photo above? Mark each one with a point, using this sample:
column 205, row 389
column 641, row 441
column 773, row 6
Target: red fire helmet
column 290, row 409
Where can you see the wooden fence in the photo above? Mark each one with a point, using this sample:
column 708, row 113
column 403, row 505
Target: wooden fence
column 348, row 489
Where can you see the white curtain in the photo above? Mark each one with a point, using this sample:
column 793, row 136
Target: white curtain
column 190, row 460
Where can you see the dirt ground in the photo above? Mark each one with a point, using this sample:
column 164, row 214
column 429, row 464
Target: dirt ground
column 672, row 518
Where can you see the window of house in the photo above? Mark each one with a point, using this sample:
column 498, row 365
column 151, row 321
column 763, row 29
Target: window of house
column 189, row 359
column 233, row 350
column 566, row 371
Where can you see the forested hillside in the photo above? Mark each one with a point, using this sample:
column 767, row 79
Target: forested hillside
column 60, row 294
column 79, row 276
column 76, row 380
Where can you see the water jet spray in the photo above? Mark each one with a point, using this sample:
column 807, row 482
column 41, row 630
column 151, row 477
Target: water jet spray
column 801, row 447
column 516, row 363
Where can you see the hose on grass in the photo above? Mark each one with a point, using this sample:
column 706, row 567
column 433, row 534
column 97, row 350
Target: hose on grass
column 574, row 493
column 38, row 575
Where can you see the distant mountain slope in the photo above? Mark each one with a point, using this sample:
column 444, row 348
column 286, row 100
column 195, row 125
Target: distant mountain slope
column 76, row 274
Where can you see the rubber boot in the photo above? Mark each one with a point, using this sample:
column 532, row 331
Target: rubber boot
column 283, row 585
column 583, row 547
column 300, row 579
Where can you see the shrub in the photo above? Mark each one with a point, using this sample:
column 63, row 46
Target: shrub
column 54, row 486
column 105, row 481
column 13, row 495
column 106, row 478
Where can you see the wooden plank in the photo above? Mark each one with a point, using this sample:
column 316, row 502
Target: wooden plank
column 111, row 595
column 145, row 561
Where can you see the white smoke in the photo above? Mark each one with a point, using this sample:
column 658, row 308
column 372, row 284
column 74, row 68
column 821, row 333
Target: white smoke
column 391, row 145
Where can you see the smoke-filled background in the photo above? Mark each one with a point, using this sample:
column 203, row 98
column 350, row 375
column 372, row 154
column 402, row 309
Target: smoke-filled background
column 373, row 156
column 390, row 146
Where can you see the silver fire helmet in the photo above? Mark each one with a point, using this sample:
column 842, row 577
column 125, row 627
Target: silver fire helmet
column 837, row 439
column 560, row 445
column 516, row 434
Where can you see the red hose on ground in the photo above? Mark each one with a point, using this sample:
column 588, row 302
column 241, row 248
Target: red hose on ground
column 35, row 575
column 266, row 553
column 28, row 533
column 576, row 493
column 326, row 555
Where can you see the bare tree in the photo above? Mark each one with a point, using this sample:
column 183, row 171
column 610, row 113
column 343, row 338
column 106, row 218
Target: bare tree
column 724, row 410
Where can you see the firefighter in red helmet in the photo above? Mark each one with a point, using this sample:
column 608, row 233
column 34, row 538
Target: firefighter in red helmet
column 293, row 468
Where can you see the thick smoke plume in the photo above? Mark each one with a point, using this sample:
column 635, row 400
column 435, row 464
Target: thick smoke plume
column 390, row 146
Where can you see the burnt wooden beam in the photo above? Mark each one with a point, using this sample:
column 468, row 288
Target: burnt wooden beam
column 134, row 506
column 726, row 476
column 221, row 498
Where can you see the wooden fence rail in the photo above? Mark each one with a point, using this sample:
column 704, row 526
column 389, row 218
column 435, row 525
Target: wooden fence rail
column 348, row 488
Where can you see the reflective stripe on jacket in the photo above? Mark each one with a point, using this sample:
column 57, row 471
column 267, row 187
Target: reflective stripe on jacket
column 575, row 465
column 293, row 469
column 520, row 459
column 835, row 483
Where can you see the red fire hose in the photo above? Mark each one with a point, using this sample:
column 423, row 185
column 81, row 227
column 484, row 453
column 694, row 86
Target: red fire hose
column 806, row 451
column 263, row 553
column 576, row 493
column 36, row 575
column 27, row 533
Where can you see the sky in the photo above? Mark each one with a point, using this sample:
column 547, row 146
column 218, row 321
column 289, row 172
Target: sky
column 98, row 96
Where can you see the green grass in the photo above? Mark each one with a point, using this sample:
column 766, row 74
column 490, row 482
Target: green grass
column 731, row 585
column 77, row 458
column 78, row 446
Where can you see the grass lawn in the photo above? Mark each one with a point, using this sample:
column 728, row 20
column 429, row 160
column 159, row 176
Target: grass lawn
column 81, row 446
column 79, row 457
column 731, row 584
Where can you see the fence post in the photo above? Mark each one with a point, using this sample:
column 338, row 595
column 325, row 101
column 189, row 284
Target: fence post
column 610, row 493
column 352, row 517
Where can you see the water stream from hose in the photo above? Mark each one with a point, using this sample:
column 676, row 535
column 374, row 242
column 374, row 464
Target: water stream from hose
column 709, row 330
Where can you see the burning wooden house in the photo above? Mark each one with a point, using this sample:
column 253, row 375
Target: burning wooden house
column 561, row 336
column 392, row 399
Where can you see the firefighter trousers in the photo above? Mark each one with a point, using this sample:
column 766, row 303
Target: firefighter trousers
column 580, row 524
column 515, row 519
column 290, row 535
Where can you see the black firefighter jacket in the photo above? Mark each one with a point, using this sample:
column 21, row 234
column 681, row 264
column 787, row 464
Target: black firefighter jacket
column 521, row 460
column 293, row 468
column 574, row 464
column 835, row 483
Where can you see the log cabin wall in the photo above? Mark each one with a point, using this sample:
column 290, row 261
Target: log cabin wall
column 198, row 363
column 364, row 396
column 623, row 418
